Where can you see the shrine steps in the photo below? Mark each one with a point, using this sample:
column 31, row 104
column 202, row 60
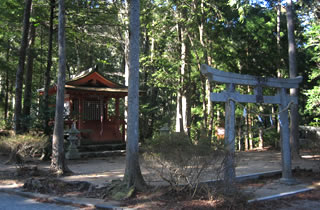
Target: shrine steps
column 101, row 150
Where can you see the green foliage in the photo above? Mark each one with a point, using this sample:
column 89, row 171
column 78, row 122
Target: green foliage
column 271, row 138
column 6, row 124
column 313, row 42
column 180, row 162
column 313, row 105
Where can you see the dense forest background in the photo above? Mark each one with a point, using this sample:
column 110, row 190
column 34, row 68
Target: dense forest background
column 247, row 37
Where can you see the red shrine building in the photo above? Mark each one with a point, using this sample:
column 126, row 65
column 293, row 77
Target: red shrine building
column 92, row 102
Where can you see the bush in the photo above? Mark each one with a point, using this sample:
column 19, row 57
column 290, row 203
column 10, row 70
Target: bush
column 6, row 124
column 314, row 146
column 25, row 146
column 272, row 138
column 181, row 163
column 310, row 139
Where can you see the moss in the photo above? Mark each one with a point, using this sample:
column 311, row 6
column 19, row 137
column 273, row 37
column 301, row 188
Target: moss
column 118, row 190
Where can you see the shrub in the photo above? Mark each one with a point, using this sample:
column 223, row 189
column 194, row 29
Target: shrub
column 310, row 139
column 25, row 146
column 181, row 163
column 6, row 124
column 271, row 138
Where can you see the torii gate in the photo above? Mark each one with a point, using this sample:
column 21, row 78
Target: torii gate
column 230, row 96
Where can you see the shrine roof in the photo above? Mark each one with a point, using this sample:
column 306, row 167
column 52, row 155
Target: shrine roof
column 90, row 80
column 98, row 89
column 93, row 78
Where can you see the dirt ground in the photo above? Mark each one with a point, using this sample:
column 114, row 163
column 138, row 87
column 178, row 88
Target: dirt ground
column 99, row 173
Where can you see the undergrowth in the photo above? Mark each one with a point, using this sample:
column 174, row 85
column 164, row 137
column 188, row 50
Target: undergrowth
column 181, row 162
column 20, row 147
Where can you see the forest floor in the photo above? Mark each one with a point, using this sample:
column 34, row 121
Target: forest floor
column 92, row 177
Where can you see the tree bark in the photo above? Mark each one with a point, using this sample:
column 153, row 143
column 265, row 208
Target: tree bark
column 239, row 137
column 179, row 118
column 279, row 74
column 294, row 118
column 58, row 163
column 182, row 95
column 126, row 72
column 179, row 122
column 6, row 102
column 246, row 137
column 206, row 86
column 47, row 72
column 250, row 133
column 28, row 80
column 205, row 100
column 183, row 91
column 133, row 176
column 209, row 104
column 20, row 71
column 125, row 65
column 278, row 38
column 261, row 140
column 260, row 146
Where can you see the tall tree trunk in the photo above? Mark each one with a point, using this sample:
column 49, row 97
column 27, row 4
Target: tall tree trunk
column 125, row 10
column 185, row 107
column 77, row 52
column 205, row 82
column 275, row 123
column 208, row 117
column 260, row 146
column 126, row 75
column 47, row 72
column 28, row 80
column 6, row 102
column 204, row 102
column 183, row 77
column 58, row 163
column 250, row 133
column 246, row 137
column 179, row 122
column 279, row 74
column 249, row 124
column 133, row 176
column 154, row 93
column 179, row 119
column 294, row 119
column 278, row 38
column 209, row 104
column 11, row 97
column 20, row 71
column 239, row 137
column 183, row 92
